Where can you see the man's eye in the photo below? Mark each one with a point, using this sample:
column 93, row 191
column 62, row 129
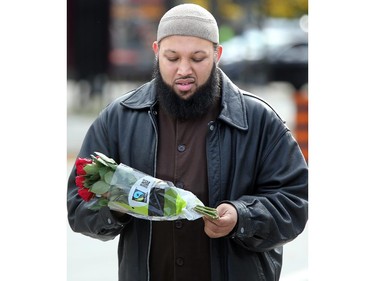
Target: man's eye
column 172, row 59
column 197, row 59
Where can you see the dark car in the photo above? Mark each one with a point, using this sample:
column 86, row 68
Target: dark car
column 275, row 52
column 290, row 64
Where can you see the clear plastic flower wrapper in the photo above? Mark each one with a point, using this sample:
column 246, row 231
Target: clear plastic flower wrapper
column 103, row 182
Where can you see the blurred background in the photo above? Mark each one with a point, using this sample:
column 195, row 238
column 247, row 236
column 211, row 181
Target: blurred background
column 109, row 53
column 111, row 39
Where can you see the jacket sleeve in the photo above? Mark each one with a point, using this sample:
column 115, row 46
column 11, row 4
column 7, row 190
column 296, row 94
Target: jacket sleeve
column 102, row 224
column 277, row 211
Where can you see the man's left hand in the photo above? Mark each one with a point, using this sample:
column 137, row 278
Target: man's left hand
column 224, row 225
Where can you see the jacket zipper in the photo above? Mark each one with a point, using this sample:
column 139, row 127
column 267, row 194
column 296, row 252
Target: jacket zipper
column 152, row 113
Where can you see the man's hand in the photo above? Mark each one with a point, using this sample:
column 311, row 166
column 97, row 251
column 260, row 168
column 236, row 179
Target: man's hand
column 224, row 225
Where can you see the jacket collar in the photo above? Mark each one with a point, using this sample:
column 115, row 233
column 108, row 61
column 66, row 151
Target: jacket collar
column 233, row 110
column 140, row 98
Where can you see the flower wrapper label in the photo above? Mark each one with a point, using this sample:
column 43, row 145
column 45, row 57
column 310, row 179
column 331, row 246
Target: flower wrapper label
column 130, row 191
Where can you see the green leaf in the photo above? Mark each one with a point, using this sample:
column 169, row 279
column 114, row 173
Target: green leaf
column 101, row 161
column 118, row 194
column 112, row 166
column 103, row 171
column 108, row 177
column 101, row 202
column 93, row 158
column 100, row 187
column 91, row 169
column 105, row 158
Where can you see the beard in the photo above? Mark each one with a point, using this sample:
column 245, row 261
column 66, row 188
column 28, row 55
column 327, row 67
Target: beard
column 194, row 107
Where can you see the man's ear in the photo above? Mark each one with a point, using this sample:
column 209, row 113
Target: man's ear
column 219, row 52
column 155, row 47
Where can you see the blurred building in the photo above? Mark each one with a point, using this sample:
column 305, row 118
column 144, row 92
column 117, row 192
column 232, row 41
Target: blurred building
column 88, row 41
column 132, row 29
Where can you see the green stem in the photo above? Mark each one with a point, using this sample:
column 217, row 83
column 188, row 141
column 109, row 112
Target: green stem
column 207, row 211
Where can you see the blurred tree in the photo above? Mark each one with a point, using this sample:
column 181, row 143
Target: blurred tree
column 286, row 8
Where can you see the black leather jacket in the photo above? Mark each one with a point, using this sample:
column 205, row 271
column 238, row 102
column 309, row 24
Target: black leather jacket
column 253, row 163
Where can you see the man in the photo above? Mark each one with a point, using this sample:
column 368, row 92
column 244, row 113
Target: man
column 192, row 126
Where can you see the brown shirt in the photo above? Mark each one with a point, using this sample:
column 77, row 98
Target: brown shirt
column 180, row 249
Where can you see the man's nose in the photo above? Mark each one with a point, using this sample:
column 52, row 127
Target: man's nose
column 184, row 68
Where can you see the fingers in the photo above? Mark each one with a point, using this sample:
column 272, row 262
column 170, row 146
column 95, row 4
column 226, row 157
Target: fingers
column 222, row 226
column 213, row 229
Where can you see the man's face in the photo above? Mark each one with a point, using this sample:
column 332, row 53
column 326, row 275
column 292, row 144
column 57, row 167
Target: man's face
column 186, row 62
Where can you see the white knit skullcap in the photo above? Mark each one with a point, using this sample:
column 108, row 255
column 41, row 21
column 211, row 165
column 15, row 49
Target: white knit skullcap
column 188, row 20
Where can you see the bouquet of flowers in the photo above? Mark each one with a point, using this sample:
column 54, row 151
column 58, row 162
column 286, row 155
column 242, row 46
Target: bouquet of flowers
column 103, row 182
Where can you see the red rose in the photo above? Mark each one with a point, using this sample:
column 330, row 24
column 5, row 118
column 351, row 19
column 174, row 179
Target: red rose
column 80, row 180
column 80, row 165
column 85, row 193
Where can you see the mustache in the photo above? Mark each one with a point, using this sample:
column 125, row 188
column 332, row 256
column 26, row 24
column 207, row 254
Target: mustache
column 185, row 77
